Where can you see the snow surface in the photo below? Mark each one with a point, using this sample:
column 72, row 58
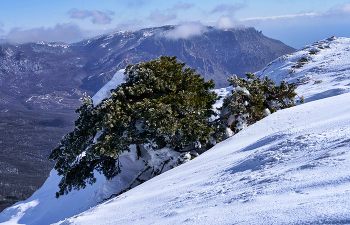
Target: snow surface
column 289, row 168
column 105, row 91
column 328, row 61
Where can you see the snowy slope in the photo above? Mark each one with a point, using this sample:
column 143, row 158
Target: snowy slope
column 290, row 167
column 104, row 92
column 326, row 61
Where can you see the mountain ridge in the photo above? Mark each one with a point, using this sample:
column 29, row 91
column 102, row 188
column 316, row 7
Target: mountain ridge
column 36, row 69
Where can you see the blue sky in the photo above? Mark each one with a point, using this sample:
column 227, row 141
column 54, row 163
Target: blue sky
column 296, row 23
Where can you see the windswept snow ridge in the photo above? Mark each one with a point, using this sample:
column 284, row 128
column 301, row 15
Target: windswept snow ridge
column 324, row 66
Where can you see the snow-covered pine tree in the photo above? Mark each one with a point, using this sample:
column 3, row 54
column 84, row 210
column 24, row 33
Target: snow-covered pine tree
column 252, row 99
column 161, row 104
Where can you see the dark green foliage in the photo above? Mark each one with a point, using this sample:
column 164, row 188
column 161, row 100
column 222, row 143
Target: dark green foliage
column 253, row 98
column 162, row 103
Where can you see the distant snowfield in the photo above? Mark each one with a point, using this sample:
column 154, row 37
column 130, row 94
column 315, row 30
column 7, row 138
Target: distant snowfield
column 289, row 168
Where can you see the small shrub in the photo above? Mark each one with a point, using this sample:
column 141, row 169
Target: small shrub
column 301, row 62
column 313, row 52
column 253, row 99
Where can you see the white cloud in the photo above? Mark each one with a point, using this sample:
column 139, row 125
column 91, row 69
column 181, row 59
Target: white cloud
column 340, row 9
column 281, row 17
column 186, row 30
column 61, row 32
column 228, row 8
column 225, row 22
column 159, row 17
column 101, row 18
column 335, row 12
column 182, row 6
column 78, row 14
column 98, row 17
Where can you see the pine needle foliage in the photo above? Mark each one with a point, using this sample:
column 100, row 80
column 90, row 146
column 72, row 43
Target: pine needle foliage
column 253, row 98
column 162, row 103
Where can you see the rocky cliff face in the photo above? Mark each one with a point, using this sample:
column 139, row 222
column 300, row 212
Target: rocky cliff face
column 41, row 83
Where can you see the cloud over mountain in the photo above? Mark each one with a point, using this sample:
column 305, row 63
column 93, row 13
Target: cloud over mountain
column 158, row 17
column 225, row 22
column 60, row 32
column 182, row 6
column 186, row 30
column 230, row 9
column 98, row 17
